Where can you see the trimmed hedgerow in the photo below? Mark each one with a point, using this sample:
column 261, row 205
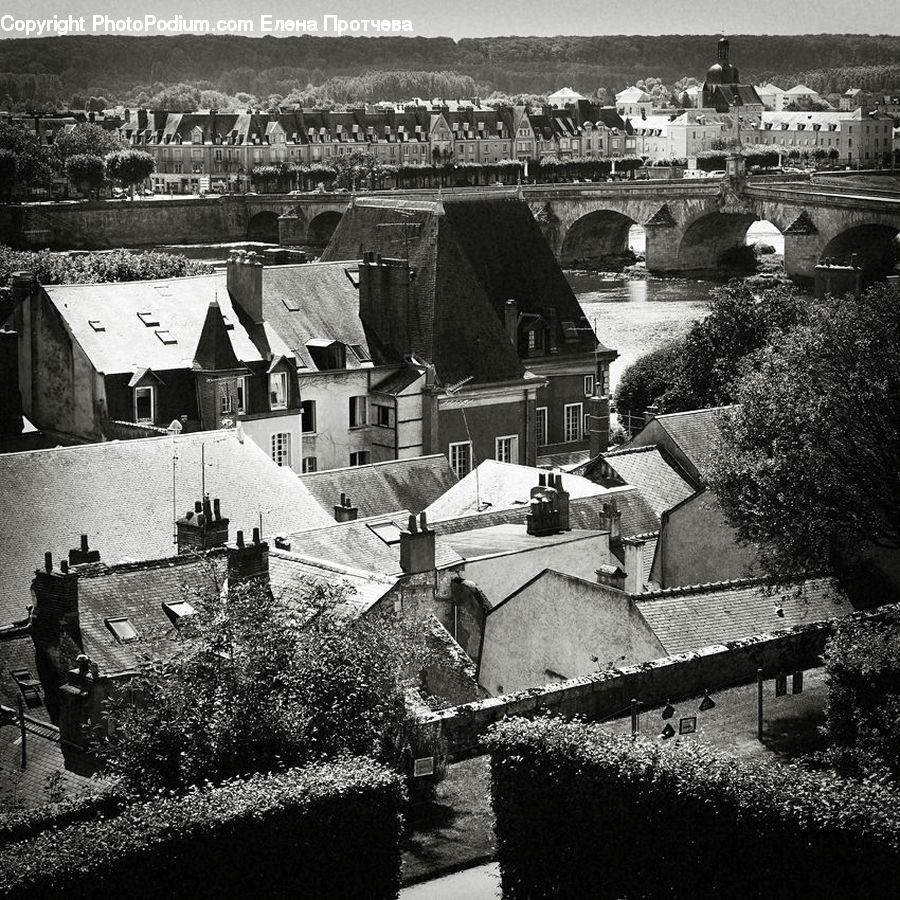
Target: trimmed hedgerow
column 21, row 825
column 324, row 831
column 580, row 813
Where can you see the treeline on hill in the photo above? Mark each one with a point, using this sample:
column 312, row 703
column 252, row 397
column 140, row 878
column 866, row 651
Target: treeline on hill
column 120, row 69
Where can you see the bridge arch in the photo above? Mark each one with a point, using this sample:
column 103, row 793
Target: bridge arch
column 263, row 226
column 874, row 247
column 712, row 239
column 322, row 227
column 600, row 233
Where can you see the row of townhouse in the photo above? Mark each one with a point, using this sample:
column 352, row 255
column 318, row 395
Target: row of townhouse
column 465, row 341
column 219, row 150
column 856, row 135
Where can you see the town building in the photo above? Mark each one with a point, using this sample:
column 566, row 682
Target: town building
column 722, row 88
column 468, row 290
column 633, row 102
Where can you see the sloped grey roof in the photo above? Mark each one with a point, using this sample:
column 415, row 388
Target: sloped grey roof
column 385, row 487
column 649, row 471
column 694, row 431
column 692, row 617
column 125, row 496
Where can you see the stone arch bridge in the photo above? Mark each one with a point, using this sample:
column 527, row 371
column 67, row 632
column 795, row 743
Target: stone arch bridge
column 689, row 224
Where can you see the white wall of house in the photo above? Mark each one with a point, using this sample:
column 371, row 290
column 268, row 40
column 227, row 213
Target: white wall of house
column 262, row 429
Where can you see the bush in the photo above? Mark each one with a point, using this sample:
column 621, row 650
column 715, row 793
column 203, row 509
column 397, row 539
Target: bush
column 580, row 812
column 326, row 831
column 862, row 714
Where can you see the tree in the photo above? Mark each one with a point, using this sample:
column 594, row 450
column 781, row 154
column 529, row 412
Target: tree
column 86, row 172
column 130, row 167
column 255, row 684
column 808, row 464
column 356, row 170
column 85, row 139
column 698, row 369
column 862, row 713
column 33, row 161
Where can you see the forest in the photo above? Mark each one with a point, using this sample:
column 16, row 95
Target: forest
column 46, row 73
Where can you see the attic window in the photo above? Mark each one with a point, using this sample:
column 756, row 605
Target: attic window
column 570, row 332
column 166, row 337
column 177, row 610
column 122, row 630
column 96, row 324
column 360, row 353
column 149, row 319
column 389, row 532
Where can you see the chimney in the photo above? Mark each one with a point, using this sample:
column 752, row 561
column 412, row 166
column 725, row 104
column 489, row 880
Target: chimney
column 22, row 285
column 55, row 614
column 612, row 576
column 545, row 516
column 248, row 562
column 345, row 511
column 80, row 555
column 512, row 322
column 634, row 564
column 598, row 425
column 417, row 548
column 244, row 274
column 562, row 504
column 651, row 412
column 202, row 528
column 611, row 521
column 11, row 423
column 550, row 315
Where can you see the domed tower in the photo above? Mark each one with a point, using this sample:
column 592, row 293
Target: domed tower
column 719, row 73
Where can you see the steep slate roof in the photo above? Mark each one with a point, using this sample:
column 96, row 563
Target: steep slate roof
column 469, row 256
column 691, row 617
column 179, row 305
column 385, row 487
column 137, row 592
column 501, row 486
column 694, row 432
column 649, row 470
column 120, row 494
column 316, row 301
column 356, row 545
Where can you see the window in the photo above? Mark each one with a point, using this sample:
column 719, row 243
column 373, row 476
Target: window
column 227, row 404
column 144, row 404
column 360, row 458
column 384, row 416
column 506, row 449
column 572, row 425
column 122, row 630
column 281, row 448
column 357, row 412
column 461, row 458
column 176, row 610
column 243, row 393
column 308, row 416
column 278, row 387
column 310, row 464
column 588, row 385
column 540, row 426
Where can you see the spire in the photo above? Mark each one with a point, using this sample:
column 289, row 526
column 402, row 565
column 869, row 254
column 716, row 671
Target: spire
column 722, row 54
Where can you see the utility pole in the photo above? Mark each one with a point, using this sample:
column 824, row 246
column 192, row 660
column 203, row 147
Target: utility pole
column 759, row 704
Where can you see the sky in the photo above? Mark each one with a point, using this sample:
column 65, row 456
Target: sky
column 475, row 18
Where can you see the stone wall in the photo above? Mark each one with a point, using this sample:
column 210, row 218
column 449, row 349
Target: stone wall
column 609, row 693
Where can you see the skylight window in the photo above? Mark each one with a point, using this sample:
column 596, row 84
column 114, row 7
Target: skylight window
column 166, row 337
column 96, row 324
column 122, row 630
column 360, row 353
column 177, row 610
column 150, row 319
column 389, row 532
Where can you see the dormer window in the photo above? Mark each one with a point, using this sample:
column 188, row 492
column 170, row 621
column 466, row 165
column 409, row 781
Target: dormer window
column 278, row 390
column 145, row 404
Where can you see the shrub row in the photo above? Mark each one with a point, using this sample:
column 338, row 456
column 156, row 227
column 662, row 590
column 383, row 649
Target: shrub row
column 583, row 813
column 324, row 831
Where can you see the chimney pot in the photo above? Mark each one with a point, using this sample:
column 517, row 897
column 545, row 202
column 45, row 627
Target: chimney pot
column 255, row 535
column 64, row 566
column 343, row 499
column 411, row 525
column 240, row 539
column 423, row 522
column 48, row 562
column 217, row 509
column 198, row 506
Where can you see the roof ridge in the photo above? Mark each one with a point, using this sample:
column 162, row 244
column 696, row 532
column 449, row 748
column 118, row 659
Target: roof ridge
column 371, row 465
column 624, row 451
column 174, row 561
column 693, row 412
column 706, row 587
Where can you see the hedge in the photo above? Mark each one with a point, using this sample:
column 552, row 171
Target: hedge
column 580, row 813
column 325, row 831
